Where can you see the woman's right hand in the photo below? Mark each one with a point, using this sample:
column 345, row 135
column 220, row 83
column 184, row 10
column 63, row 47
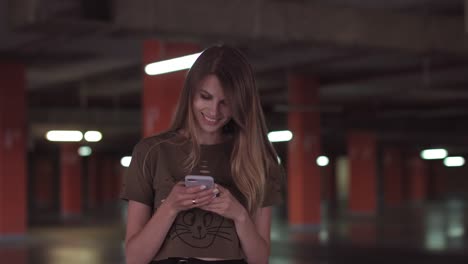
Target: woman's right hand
column 183, row 198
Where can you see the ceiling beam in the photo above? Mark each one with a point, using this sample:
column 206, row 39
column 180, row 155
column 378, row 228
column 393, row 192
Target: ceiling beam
column 466, row 16
column 290, row 21
column 46, row 77
column 402, row 85
column 111, row 88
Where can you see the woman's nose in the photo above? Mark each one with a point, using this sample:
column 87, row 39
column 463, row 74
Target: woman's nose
column 214, row 108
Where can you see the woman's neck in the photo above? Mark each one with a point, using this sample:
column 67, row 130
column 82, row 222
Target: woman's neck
column 206, row 138
column 210, row 139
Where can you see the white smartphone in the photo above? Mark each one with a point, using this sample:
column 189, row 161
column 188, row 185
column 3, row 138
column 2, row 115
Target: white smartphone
column 197, row 180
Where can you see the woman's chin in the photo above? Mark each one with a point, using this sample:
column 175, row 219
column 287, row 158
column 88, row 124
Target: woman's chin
column 210, row 130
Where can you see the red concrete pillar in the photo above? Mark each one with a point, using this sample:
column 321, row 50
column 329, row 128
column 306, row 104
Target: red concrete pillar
column 363, row 172
column 363, row 233
column 93, row 176
column 43, row 183
column 118, row 174
column 107, row 177
column 13, row 181
column 393, row 176
column 15, row 254
column 161, row 92
column 438, row 179
column 418, row 176
column 329, row 172
column 303, row 173
column 71, row 179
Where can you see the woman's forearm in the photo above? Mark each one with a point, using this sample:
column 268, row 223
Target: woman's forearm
column 256, row 249
column 143, row 246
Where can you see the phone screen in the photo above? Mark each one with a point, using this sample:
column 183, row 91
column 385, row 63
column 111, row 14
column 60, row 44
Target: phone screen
column 197, row 180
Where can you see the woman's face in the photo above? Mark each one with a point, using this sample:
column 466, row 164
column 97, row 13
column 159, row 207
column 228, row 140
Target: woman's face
column 210, row 108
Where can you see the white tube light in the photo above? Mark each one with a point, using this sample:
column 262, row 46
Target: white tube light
column 125, row 161
column 455, row 161
column 64, row 135
column 280, row 136
column 431, row 154
column 84, row 151
column 93, row 136
column 172, row 65
column 322, row 161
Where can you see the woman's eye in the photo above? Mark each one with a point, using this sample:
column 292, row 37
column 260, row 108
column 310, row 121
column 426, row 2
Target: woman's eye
column 204, row 96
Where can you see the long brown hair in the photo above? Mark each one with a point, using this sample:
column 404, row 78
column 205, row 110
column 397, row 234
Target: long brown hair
column 253, row 153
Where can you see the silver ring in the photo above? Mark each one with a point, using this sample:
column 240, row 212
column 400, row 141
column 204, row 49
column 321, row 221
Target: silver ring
column 194, row 201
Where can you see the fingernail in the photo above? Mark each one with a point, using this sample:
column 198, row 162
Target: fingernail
column 215, row 191
column 202, row 187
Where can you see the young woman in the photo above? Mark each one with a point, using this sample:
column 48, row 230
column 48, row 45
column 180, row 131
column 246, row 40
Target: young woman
column 219, row 130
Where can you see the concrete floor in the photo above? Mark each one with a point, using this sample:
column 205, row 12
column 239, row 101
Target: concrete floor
column 431, row 233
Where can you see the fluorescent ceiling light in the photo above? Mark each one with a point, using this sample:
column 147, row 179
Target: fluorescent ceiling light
column 85, row 151
column 322, row 161
column 280, row 136
column 430, row 154
column 455, row 161
column 176, row 64
column 93, row 136
column 64, row 135
column 125, row 161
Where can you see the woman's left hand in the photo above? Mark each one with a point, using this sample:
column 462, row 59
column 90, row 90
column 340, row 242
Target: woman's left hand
column 226, row 205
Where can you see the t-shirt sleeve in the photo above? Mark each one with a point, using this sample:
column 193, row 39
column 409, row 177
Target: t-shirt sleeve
column 137, row 184
column 274, row 186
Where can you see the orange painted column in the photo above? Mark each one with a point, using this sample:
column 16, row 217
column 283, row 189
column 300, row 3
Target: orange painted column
column 393, row 177
column 13, row 137
column 108, row 180
column 418, row 178
column 304, row 195
column 93, row 176
column 117, row 182
column 363, row 233
column 161, row 92
column 15, row 254
column 43, row 183
column 438, row 180
column 363, row 172
column 121, row 173
column 329, row 172
column 71, row 180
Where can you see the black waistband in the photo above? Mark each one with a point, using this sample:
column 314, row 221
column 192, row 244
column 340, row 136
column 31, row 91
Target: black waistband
column 197, row 261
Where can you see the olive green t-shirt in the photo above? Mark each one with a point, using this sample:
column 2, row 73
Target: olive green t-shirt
column 157, row 165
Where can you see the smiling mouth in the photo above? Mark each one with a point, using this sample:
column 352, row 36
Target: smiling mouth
column 211, row 120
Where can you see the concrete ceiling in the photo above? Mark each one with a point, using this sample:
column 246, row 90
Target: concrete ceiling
column 399, row 68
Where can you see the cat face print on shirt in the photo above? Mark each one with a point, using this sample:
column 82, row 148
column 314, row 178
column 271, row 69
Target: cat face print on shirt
column 200, row 229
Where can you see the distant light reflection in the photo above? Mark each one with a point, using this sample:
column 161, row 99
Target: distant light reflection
column 71, row 255
column 445, row 226
column 323, row 235
column 435, row 238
